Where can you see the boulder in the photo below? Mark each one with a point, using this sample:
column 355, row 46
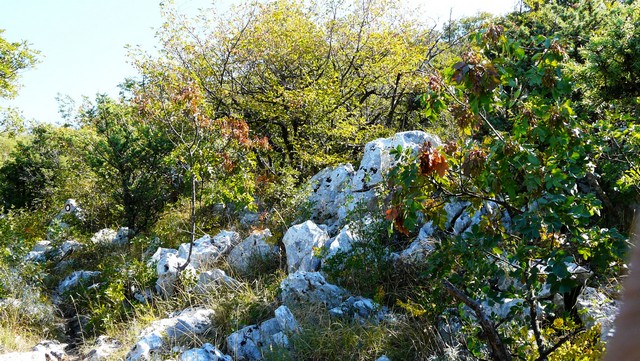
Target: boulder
column 44, row 351
column 103, row 348
column 312, row 289
column 329, row 190
column 342, row 242
column 419, row 250
column 252, row 248
column 249, row 343
column 76, row 278
column 207, row 250
column 360, row 309
column 301, row 242
column 159, row 334
column 594, row 307
column 207, row 352
column 39, row 252
column 168, row 274
column 215, row 278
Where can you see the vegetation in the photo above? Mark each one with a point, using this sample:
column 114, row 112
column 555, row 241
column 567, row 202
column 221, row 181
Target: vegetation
column 539, row 112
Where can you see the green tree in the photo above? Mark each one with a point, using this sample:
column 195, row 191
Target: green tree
column 129, row 158
column 14, row 57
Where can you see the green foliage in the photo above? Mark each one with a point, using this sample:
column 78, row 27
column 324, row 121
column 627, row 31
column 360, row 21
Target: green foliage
column 14, row 57
column 129, row 159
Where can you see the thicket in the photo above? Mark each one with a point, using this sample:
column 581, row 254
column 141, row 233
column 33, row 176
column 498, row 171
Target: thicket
column 539, row 110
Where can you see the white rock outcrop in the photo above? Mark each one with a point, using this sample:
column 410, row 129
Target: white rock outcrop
column 250, row 342
column 104, row 347
column 594, row 308
column 159, row 334
column 253, row 247
column 207, row 352
column 44, row 351
column 76, row 278
column 215, row 278
column 168, row 274
column 310, row 288
column 207, row 250
column 301, row 242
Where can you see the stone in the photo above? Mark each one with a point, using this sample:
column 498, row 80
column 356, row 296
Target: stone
column 383, row 358
column 419, row 250
column 207, row 250
column 44, row 351
column 301, row 242
column 253, row 247
column 207, row 352
column 215, row 278
column 167, row 269
column 329, row 190
column 361, row 309
column 122, row 236
column 342, row 242
column 104, row 347
column 104, row 236
column 160, row 254
column 76, row 278
column 249, row 343
column 594, row 307
column 312, row 289
column 67, row 247
column 39, row 252
column 159, row 334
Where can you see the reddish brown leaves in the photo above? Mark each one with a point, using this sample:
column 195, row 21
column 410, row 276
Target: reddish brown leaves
column 394, row 214
column 432, row 161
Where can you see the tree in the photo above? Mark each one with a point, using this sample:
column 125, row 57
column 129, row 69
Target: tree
column 129, row 157
column 338, row 76
column 14, row 57
column 528, row 161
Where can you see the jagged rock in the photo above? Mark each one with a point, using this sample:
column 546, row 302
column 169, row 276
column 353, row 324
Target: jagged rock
column 207, row 352
column 161, row 253
column 39, row 252
column 301, row 241
column 215, row 278
column 71, row 207
column 249, row 219
column 343, row 242
column 168, row 274
column 75, row 279
column 329, row 190
column 594, row 308
column 250, row 342
column 419, row 250
column 361, row 309
column 252, row 248
column 109, row 236
column 104, row 347
column 159, row 334
column 44, row 351
column 207, row 250
column 310, row 288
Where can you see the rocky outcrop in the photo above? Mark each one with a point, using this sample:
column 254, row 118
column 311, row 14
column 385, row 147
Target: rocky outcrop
column 249, row 343
column 103, row 348
column 253, row 248
column 44, row 351
column 207, row 250
column 301, row 242
column 159, row 334
column 310, row 288
column 594, row 308
column 207, row 352
column 111, row 237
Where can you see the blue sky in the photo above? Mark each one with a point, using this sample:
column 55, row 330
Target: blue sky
column 82, row 42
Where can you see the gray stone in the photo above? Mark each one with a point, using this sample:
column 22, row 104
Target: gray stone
column 75, row 279
column 361, row 309
column 207, row 250
column 215, row 278
column 310, row 288
column 249, row 343
column 594, row 308
column 104, row 347
column 301, row 242
column 167, row 269
column 44, row 351
column 104, row 236
column 329, row 191
column 207, row 352
column 161, row 333
column 252, row 248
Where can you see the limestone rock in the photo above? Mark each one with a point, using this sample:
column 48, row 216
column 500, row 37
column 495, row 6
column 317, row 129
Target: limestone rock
column 44, row 351
column 207, row 352
column 329, row 190
column 301, row 241
column 104, row 347
column 161, row 333
column 343, row 242
column 206, row 250
column 361, row 309
column 250, row 342
column 595, row 307
column 75, row 279
column 215, row 278
column 39, row 252
column 168, row 274
column 253, row 247
column 310, row 288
